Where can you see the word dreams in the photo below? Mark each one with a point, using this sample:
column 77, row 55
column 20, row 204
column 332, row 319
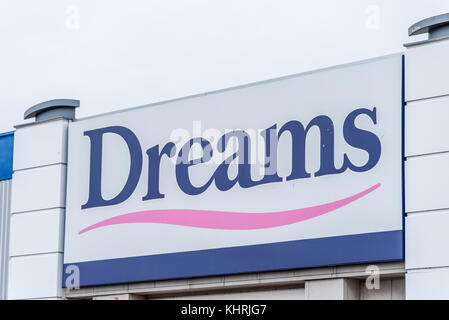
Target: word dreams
column 353, row 136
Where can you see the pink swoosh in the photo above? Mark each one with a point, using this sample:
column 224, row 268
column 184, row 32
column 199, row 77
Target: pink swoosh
column 228, row 220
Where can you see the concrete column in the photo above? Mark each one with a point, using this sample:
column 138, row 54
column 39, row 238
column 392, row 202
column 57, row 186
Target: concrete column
column 332, row 289
column 6, row 156
column 38, row 203
column 427, row 159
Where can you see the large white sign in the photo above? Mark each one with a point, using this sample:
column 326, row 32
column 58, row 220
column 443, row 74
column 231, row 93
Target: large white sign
column 295, row 172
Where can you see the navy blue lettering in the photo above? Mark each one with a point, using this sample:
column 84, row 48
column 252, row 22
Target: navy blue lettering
column 298, row 134
column 96, row 150
column 154, row 163
column 183, row 165
column 361, row 139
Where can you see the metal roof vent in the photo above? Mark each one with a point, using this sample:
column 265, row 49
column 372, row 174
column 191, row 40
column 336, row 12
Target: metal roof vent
column 53, row 109
column 437, row 27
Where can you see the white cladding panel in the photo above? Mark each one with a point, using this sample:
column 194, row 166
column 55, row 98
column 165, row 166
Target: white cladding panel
column 427, row 239
column 35, row 276
column 427, row 284
column 427, row 174
column 38, row 188
column 40, row 144
column 426, row 70
column 426, row 126
column 427, row 182
column 37, row 232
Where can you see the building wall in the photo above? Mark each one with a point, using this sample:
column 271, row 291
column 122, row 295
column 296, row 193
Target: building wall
column 335, row 283
column 389, row 289
column 426, row 166
column 6, row 159
column 5, row 200
column 37, row 211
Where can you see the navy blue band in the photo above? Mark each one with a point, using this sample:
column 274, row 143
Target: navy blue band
column 351, row 249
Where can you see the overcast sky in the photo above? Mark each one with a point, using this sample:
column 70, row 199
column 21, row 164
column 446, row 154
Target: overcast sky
column 115, row 54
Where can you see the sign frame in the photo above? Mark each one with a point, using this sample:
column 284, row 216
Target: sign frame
column 298, row 254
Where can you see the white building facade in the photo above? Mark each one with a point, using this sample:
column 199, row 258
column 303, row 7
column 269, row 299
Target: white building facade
column 336, row 192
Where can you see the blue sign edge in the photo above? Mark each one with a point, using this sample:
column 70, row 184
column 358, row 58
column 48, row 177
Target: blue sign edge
column 320, row 252
column 6, row 155
column 403, row 157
